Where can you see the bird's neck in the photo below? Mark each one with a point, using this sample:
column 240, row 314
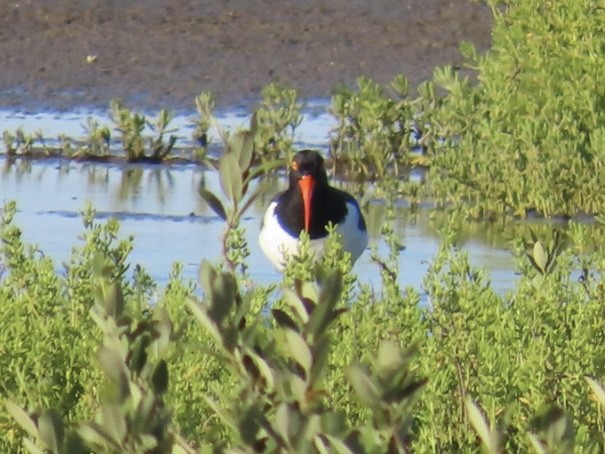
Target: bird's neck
column 290, row 210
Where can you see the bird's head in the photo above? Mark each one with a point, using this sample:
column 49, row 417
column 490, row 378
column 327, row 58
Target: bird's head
column 307, row 171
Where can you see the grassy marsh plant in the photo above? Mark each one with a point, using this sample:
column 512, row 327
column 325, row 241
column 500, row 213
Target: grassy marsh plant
column 21, row 144
column 243, row 377
column 238, row 168
column 374, row 130
column 130, row 125
column 204, row 105
column 47, row 333
column 275, row 121
column 528, row 137
column 160, row 149
column 97, row 142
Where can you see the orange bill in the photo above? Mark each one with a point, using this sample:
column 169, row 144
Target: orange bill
column 306, row 184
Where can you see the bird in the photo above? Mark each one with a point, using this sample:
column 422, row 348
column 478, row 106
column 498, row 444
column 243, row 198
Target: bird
column 310, row 205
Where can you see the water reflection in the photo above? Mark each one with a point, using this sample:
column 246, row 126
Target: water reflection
column 160, row 205
column 135, row 182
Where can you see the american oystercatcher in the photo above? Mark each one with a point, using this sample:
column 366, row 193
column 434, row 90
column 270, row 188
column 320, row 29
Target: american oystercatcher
column 310, row 204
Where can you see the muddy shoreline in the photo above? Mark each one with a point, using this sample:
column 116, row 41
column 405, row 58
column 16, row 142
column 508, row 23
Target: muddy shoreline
column 70, row 54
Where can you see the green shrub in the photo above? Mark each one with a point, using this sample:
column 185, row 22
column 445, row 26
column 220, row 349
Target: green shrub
column 497, row 367
column 528, row 136
column 373, row 137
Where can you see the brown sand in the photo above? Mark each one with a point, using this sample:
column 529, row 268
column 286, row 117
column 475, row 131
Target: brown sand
column 162, row 53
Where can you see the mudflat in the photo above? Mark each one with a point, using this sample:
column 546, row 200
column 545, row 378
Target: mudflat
column 66, row 54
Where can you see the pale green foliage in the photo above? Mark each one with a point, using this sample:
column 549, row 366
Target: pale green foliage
column 48, row 337
column 204, row 105
column 238, row 169
column 529, row 135
column 374, row 132
column 275, row 121
column 523, row 135
column 238, row 376
column 280, row 401
column 130, row 126
column 96, row 144
column 23, row 145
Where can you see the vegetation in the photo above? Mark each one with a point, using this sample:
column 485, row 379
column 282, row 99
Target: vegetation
column 96, row 358
column 273, row 124
column 95, row 365
column 529, row 136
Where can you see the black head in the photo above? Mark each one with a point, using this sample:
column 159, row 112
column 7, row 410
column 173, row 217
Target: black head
column 308, row 163
column 310, row 204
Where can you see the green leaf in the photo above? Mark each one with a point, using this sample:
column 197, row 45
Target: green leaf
column 396, row 393
column 481, row 427
column 365, row 388
column 51, row 430
column 389, row 357
column 138, row 357
column 94, row 434
column 22, row 418
column 254, row 121
column 598, row 390
column 537, row 444
column 282, row 420
column 223, row 296
column 323, row 314
column 334, row 422
column 401, row 85
column 225, row 415
column 230, row 176
column 114, row 422
column 207, row 275
column 468, row 51
column 31, row 447
column 298, row 349
column 114, row 300
column 554, row 426
column 338, row 446
column 295, row 387
column 249, row 201
column 539, row 255
column 100, row 266
column 242, row 144
column 214, row 203
column 283, row 320
column 74, row 444
column 320, row 445
column 321, row 356
column 309, row 290
column 164, row 329
column 206, row 322
column 113, row 365
column 178, row 449
column 159, row 378
column 264, row 168
column 263, row 368
column 294, row 301
column 148, row 442
column 249, row 424
column 145, row 413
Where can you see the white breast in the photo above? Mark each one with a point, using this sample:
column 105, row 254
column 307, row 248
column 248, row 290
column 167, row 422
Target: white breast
column 277, row 244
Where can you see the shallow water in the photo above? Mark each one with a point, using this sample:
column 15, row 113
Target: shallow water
column 161, row 207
